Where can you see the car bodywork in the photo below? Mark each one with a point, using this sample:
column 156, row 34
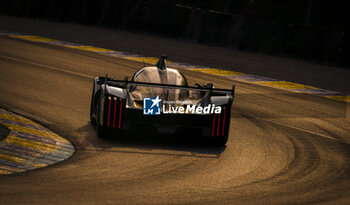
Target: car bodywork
column 117, row 105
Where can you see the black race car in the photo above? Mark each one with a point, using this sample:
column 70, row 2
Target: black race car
column 158, row 100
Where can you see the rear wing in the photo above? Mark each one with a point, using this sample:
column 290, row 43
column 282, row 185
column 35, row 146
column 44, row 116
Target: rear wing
column 125, row 83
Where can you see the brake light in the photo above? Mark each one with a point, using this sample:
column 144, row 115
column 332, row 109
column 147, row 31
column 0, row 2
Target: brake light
column 109, row 110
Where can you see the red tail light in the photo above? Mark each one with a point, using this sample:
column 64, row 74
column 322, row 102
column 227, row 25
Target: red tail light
column 109, row 110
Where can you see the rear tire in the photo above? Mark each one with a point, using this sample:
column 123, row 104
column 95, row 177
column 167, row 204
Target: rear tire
column 92, row 107
column 92, row 120
column 220, row 141
column 102, row 132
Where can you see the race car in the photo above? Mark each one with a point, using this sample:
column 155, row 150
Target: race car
column 158, row 100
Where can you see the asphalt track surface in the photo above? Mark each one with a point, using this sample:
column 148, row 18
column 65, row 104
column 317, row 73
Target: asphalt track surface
column 284, row 148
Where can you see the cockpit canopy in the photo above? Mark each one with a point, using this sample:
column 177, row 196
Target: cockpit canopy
column 154, row 75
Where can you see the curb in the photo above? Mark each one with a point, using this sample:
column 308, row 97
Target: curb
column 29, row 146
column 242, row 77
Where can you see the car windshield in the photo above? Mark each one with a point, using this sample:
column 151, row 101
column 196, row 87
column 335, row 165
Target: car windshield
column 172, row 96
column 169, row 95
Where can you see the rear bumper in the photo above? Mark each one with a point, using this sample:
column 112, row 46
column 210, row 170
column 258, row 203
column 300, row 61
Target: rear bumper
column 119, row 118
